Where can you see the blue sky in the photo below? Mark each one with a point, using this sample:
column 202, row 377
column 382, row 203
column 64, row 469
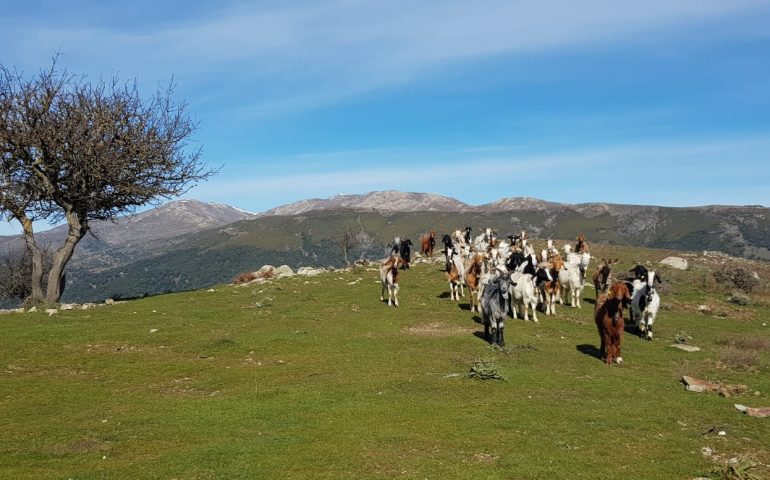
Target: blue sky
column 656, row 102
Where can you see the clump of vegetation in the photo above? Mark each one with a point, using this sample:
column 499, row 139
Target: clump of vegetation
column 739, row 470
column 681, row 338
column 738, row 359
column 483, row 369
column 245, row 277
column 738, row 277
column 761, row 344
column 740, row 298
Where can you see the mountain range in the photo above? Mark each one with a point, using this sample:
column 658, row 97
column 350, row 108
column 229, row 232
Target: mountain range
column 190, row 244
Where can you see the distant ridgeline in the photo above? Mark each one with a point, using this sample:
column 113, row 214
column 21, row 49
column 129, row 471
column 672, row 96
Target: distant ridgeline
column 216, row 255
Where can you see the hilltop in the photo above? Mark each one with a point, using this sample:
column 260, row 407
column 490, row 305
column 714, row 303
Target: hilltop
column 314, row 377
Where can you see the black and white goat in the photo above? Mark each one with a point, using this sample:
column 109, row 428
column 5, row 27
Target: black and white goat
column 645, row 304
column 640, row 273
column 448, row 249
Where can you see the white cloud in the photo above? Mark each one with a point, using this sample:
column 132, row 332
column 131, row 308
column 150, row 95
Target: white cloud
column 335, row 49
column 671, row 168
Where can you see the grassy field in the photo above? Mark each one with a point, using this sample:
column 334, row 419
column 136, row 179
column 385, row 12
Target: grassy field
column 313, row 377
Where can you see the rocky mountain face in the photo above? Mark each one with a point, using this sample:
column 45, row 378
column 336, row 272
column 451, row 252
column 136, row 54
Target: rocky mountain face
column 112, row 243
column 387, row 201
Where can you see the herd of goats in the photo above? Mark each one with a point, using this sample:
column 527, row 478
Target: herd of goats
column 509, row 276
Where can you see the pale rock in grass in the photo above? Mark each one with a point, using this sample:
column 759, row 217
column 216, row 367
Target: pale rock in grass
column 266, row 271
column 284, row 271
column 51, row 311
column 309, row 271
column 686, row 348
column 753, row 412
column 109, row 301
column 675, row 262
column 697, row 385
column 32, row 310
column 67, row 306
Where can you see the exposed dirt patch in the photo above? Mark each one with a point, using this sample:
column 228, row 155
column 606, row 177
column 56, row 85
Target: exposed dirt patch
column 438, row 329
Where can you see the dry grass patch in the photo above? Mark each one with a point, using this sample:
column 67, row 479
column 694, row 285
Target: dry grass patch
column 737, row 359
column 437, row 329
column 759, row 344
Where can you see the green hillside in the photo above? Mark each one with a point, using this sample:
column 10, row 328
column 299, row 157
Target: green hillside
column 314, row 377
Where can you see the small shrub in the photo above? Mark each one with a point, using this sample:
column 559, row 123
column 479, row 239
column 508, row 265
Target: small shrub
column 681, row 338
column 740, row 298
column 740, row 470
column 486, row 370
column 245, row 277
column 738, row 277
column 761, row 344
column 738, row 359
column 40, row 304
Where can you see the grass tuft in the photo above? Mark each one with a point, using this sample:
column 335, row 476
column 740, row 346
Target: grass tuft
column 737, row 470
column 483, row 369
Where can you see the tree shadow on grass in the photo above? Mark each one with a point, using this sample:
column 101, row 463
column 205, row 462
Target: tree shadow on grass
column 589, row 350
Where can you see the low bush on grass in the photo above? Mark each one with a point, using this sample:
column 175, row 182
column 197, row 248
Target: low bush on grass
column 740, row 298
column 483, row 369
column 738, row 277
column 738, row 470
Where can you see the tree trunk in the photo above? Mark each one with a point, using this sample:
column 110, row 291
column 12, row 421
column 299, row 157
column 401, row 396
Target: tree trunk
column 77, row 229
column 37, row 260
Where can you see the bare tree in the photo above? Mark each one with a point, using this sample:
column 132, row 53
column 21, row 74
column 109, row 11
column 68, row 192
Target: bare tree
column 76, row 151
column 346, row 240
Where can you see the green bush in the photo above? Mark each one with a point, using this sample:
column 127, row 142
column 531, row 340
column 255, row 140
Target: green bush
column 738, row 277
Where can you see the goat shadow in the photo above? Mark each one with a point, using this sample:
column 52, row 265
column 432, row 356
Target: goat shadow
column 443, row 295
column 592, row 301
column 480, row 335
column 589, row 350
column 465, row 306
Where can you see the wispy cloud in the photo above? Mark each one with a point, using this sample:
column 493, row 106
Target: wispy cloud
column 332, row 50
column 619, row 173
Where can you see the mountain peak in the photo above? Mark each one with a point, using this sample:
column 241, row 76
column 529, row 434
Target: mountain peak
column 382, row 201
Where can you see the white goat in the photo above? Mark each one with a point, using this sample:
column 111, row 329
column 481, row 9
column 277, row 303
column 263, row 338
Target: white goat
column 571, row 280
column 523, row 295
column 645, row 304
